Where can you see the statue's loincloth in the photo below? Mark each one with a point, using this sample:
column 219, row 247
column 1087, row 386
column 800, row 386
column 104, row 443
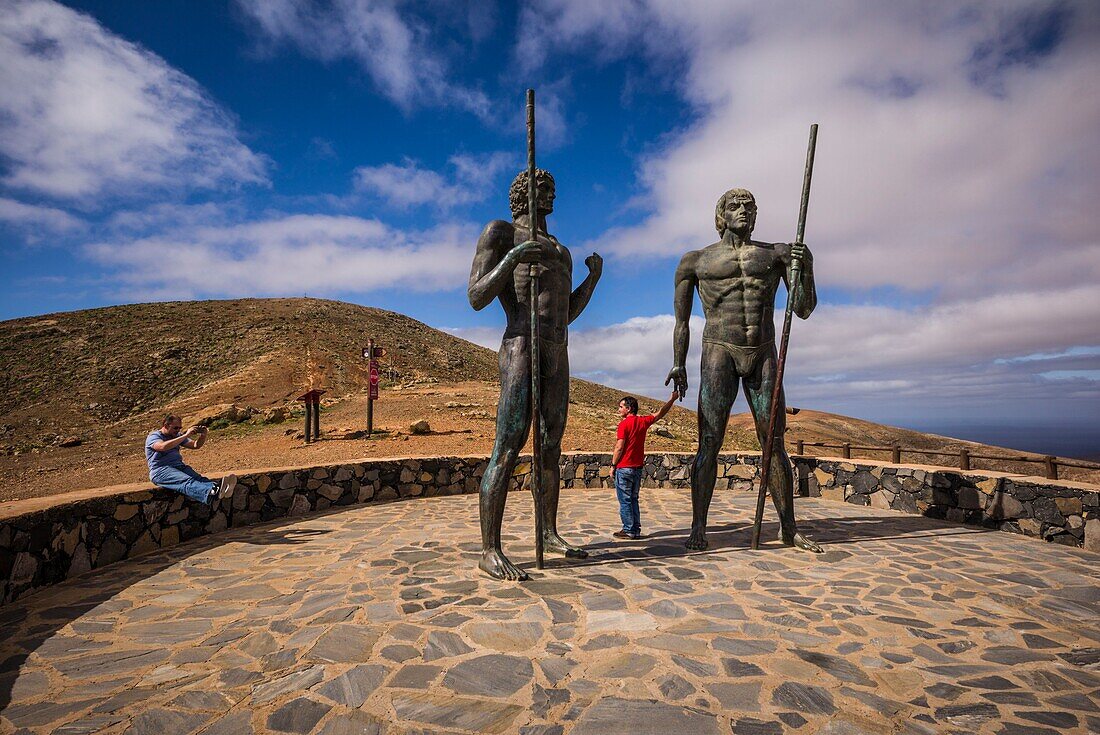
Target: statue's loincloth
column 553, row 355
column 745, row 358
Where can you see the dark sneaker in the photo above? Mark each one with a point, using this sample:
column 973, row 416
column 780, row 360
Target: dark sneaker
column 623, row 535
column 225, row 490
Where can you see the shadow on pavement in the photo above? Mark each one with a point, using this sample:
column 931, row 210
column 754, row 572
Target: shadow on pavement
column 831, row 533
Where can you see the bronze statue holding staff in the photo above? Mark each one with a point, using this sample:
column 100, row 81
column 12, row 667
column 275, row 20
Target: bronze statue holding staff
column 497, row 275
column 737, row 279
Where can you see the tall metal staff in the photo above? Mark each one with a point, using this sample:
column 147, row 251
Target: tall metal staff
column 533, row 303
column 792, row 294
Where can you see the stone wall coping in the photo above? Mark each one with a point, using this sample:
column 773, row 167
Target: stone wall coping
column 15, row 508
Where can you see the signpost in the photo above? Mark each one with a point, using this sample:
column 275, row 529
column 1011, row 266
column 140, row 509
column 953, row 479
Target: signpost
column 372, row 353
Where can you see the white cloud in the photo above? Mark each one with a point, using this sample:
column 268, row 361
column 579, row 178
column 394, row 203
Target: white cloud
column 407, row 184
column 398, row 53
column 956, row 160
column 952, row 142
column 287, row 255
column 85, row 113
column 37, row 217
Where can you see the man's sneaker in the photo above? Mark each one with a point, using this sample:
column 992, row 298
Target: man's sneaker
column 623, row 535
column 225, row 490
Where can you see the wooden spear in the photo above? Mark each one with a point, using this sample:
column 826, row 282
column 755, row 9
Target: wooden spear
column 533, row 303
column 777, row 389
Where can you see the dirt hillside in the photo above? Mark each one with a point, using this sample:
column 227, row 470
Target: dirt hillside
column 80, row 390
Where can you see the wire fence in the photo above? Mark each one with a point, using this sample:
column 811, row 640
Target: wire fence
column 962, row 456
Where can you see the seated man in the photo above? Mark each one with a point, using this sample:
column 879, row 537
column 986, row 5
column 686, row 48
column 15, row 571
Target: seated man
column 166, row 467
column 629, row 458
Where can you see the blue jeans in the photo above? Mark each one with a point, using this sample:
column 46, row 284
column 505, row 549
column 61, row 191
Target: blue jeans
column 628, row 480
column 185, row 480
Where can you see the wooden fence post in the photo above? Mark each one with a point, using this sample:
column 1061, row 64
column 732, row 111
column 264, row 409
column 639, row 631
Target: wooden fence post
column 964, row 459
column 309, row 420
column 847, row 450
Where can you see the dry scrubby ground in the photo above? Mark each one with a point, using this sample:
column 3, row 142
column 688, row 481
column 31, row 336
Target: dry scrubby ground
column 106, row 377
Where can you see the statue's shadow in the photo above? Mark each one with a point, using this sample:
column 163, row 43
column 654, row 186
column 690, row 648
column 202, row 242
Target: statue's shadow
column 833, row 534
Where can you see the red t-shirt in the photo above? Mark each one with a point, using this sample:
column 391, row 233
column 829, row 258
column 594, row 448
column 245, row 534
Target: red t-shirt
column 633, row 429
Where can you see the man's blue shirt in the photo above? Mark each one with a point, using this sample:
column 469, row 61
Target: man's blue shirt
column 158, row 460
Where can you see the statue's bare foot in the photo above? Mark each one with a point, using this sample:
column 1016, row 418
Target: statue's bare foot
column 697, row 541
column 555, row 543
column 496, row 565
column 802, row 542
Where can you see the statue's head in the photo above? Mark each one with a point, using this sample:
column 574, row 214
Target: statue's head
column 736, row 210
column 517, row 194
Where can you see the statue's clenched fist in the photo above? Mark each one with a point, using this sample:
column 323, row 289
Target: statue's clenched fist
column 595, row 264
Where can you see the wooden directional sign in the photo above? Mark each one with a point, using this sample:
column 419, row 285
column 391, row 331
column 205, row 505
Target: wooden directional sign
column 378, row 352
column 373, row 380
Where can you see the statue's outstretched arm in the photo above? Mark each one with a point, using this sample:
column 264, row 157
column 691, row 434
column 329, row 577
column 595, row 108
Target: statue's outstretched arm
column 582, row 294
column 684, row 293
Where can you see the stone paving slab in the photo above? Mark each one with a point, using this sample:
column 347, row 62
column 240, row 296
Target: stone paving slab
column 375, row 620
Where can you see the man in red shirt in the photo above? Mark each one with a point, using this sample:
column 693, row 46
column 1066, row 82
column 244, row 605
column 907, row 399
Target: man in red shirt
column 628, row 459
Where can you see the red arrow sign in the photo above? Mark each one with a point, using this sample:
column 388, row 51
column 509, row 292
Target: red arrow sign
column 374, row 380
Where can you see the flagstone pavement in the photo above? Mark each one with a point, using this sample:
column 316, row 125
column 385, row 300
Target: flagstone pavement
column 375, row 619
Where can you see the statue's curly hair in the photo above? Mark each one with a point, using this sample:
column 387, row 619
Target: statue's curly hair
column 719, row 220
column 517, row 193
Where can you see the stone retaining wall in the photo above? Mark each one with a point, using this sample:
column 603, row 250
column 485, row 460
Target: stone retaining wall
column 1063, row 512
column 45, row 546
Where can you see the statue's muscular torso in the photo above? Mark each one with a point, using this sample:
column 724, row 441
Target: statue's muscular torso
column 737, row 285
column 555, row 283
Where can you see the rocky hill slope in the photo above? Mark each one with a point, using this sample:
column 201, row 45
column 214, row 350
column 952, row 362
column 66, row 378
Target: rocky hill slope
column 79, row 391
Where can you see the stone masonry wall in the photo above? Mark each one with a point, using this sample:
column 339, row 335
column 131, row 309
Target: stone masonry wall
column 46, row 546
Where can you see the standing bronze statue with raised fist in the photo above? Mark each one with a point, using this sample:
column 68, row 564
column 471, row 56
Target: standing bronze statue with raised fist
column 501, row 271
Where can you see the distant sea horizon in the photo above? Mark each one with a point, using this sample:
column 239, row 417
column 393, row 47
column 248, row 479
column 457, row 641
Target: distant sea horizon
column 1077, row 442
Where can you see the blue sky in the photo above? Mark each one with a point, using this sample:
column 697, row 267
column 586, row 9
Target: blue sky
column 353, row 149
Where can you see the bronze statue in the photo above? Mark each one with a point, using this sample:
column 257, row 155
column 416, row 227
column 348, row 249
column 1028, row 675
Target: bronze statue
column 501, row 248
column 737, row 279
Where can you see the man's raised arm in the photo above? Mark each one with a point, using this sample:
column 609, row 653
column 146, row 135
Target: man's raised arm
column 667, row 407
column 583, row 293
column 685, row 281
column 490, row 271
column 165, row 445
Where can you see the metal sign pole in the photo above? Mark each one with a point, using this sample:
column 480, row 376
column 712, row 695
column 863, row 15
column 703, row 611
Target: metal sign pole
column 370, row 386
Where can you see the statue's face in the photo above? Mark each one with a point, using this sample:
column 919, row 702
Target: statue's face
column 546, row 196
column 740, row 214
